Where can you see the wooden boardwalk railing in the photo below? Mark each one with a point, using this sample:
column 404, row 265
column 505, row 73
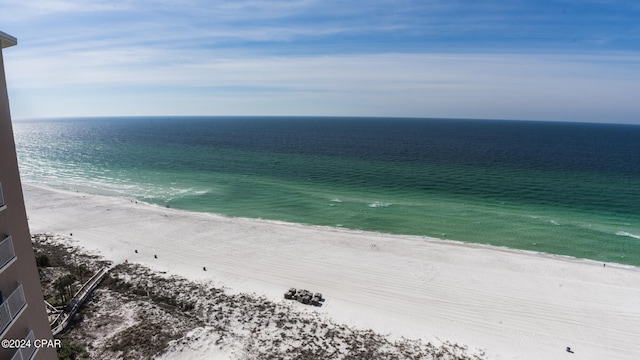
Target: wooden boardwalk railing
column 64, row 319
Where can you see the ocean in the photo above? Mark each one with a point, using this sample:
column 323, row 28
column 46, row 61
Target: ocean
column 561, row 188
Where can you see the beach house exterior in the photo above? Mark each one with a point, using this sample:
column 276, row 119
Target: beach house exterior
column 24, row 328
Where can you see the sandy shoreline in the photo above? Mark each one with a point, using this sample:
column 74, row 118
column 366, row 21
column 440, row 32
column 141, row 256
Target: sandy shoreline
column 515, row 305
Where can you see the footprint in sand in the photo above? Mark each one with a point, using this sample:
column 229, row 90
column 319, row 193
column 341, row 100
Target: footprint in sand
column 422, row 272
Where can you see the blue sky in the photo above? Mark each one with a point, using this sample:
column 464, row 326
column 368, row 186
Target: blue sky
column 568, row 60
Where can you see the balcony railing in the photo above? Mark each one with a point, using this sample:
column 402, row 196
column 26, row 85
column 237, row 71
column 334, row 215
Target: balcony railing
column 7, row 252
column 2, row 204
column 11, row 307
column 26, row 353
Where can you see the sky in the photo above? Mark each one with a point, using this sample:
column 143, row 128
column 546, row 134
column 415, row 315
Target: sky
column 563, row 60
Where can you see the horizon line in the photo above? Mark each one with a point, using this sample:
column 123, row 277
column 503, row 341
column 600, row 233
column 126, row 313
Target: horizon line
column 94, row 117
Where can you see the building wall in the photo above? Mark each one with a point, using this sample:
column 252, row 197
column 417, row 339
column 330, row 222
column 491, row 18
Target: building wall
column 13, row 222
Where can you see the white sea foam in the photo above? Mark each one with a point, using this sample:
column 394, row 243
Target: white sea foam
column 336, row 200
column 627, row 234
column 555, row 222
column 378, row 204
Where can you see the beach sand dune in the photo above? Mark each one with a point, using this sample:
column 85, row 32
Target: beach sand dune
column 513, row 304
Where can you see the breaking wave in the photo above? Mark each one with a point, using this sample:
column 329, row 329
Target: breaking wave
column 378, row 204
column 627, row 234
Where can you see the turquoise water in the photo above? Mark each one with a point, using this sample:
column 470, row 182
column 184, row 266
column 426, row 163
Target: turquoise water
column 569, row 189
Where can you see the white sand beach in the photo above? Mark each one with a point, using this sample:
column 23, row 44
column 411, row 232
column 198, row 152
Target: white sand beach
column 512, row 304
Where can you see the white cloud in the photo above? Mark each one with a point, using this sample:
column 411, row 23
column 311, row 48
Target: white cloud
column 20, row 10
column 271, row 57
column 450, row 85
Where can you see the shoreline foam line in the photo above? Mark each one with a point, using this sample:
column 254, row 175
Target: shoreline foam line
column 513, row 303
column 367, row 232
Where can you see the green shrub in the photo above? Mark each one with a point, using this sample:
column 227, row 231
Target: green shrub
column 70, row 351
column 42, row 260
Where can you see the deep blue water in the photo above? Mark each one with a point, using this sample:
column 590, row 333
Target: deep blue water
column 563, row 188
